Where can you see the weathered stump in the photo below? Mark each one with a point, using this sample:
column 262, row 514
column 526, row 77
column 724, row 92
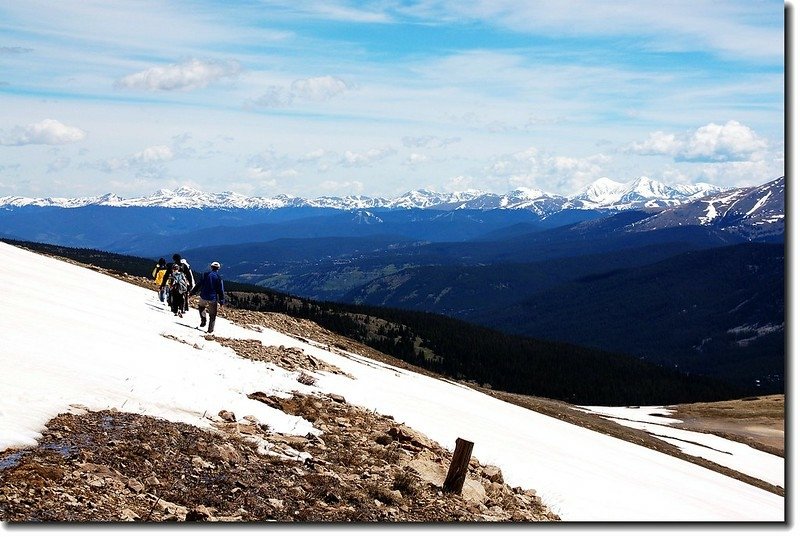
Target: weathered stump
column 457, row 473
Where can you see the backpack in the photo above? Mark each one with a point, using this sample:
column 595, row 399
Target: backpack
column 187, row 271
column 179, row 283
column 160, row 276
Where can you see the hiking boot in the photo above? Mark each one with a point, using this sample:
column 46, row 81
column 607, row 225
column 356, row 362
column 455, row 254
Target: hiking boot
column 202, row 323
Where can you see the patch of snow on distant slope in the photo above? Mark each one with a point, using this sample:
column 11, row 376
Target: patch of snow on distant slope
column 711, row 214
column 760, row 203
column 730, row 454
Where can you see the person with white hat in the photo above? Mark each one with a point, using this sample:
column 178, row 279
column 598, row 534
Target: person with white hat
column 212, row 295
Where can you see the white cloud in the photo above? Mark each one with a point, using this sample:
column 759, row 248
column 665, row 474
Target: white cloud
column 46, row 132
column 429, row 141
column 189, row 75
column 148, row 163
column 156, row 153
column 415, row 159
column 459, row 183
column 319, row 88
column 258, row 173
column 268, row 167
column 657, row 143
column 314, row 89
column 273, row 97
column 535, row 168
column 739, row 174
column 342, row 187
column 731, row 142
column 313, row 156
column 356, row 160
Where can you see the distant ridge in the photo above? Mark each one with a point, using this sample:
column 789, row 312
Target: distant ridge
column 604, row 193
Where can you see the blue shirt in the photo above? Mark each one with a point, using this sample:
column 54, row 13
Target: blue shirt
column 211, row 287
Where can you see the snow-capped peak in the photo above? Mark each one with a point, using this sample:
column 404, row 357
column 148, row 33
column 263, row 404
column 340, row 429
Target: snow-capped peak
column 524, row 192
column 604, row 193
column 650, row 188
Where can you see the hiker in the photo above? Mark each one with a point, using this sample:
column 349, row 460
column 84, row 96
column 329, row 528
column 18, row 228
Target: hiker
column 212, row 294
column 159, row 275
column 183, row 266
column 187, row 272
column 176, row 258
column 178, row 288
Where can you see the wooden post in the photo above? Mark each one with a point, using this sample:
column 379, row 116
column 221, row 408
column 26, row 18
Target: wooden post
column 457, row 473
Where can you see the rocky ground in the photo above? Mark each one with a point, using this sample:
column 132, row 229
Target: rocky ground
column 364, row 467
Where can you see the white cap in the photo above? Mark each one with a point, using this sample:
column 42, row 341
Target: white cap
column 215, row 264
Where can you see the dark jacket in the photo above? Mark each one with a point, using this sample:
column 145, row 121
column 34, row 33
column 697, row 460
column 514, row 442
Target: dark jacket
column 168, row 275
column 210, row 287
column 187, row 271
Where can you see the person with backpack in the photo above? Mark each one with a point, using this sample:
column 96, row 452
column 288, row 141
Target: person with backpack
column 178, row 288
column 212, row 294
column 159, row 275
column 165, row 287
column 187, row 273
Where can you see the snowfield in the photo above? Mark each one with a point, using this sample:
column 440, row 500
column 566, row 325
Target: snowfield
column 733, row 455
column 71, row 336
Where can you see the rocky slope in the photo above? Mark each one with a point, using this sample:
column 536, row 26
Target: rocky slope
column 115, row 466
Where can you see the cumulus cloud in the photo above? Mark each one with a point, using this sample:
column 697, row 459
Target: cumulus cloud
column 156, row 153
column 319, row 88
column 148, row 162
column 315, row 89
column 535, row 168
column 740, row 173
column 657, row 143
column 356, row 160
column 428, row 141
column 313, row 156
column 268, row 166
column 731, row 142
column 46, row 132
column 415, row 159
column 459, row 183
column 264, row 177
column 342, row 187
column 189, row 75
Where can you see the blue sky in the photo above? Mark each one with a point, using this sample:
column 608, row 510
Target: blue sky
column 316, row 98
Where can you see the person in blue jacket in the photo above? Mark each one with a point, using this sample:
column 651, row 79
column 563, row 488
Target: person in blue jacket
column 212, row 293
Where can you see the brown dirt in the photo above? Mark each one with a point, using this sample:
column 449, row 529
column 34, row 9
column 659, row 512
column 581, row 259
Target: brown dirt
column 755, row 421
column 364, row 467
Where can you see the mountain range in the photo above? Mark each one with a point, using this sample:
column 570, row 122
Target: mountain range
column 601, row 194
